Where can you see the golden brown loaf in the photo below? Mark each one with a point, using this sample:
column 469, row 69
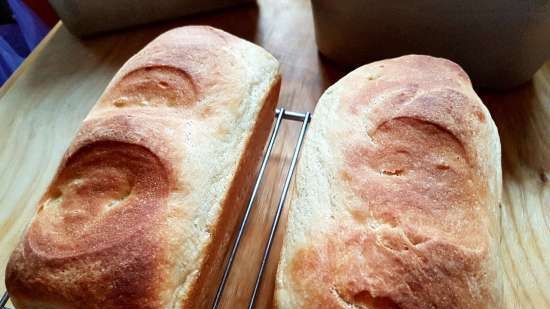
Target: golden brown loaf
column 396, row 193
column 148, row 193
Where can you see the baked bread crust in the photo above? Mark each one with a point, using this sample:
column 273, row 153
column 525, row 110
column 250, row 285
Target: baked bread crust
column 149, row 192
column 396, row 194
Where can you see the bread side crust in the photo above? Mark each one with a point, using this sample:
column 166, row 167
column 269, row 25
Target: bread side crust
column 203, row 291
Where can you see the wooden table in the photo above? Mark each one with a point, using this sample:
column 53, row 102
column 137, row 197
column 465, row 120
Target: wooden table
column 42, row 105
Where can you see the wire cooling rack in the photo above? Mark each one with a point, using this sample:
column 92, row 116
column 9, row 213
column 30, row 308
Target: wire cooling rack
column 280, row 115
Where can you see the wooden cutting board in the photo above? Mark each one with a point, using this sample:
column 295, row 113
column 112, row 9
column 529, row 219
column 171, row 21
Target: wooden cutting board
column 42, row 105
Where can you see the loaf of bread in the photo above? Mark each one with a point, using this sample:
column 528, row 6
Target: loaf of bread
column 396, row 194
column 149, row 193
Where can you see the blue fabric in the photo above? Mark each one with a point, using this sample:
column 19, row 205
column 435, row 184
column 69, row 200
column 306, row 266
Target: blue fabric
column 32, row 27
column 9, row 60
column 19, row 39
column 13, row 36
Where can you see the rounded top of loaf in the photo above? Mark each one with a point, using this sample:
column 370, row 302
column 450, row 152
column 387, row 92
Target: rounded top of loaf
column 395, row 193
column 120, row 222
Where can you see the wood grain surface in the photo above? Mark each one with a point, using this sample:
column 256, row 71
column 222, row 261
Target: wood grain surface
column 42, row 105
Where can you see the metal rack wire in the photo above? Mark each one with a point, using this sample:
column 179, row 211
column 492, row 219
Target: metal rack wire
column 280, row 115
column 4, row 300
